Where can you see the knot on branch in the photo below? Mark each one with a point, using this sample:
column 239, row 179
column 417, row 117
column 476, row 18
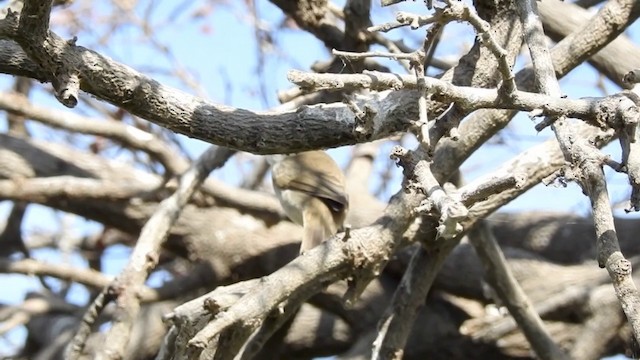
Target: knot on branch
column 455, row 10
column 366, row 265
column 618, row 266
column 618, row 112
column 364, row 125
column 631, row 78
column 11, row 18
column 403, row 158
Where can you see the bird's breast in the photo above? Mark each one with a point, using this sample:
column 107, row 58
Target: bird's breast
column 293, row 202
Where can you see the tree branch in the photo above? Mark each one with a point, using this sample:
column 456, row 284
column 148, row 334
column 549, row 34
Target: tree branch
column 146, row 252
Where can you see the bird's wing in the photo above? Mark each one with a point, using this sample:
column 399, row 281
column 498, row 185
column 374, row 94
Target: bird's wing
column 325, row 188
column 317, row 175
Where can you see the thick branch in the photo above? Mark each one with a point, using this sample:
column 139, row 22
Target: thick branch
column 319, row 126
column 332, row 260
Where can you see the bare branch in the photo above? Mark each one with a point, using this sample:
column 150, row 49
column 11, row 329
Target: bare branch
column 587, row 170
column 145, row 254
column 510, row 292
column 471, row 98
column 64, row 272
column 118, row 131
column 319, row 126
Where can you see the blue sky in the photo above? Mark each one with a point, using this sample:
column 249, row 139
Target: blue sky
column 219, row 51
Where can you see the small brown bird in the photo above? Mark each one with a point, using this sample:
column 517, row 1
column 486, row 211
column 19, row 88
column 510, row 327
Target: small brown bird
column 311, row 189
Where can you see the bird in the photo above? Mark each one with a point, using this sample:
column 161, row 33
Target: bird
column 311, row 189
